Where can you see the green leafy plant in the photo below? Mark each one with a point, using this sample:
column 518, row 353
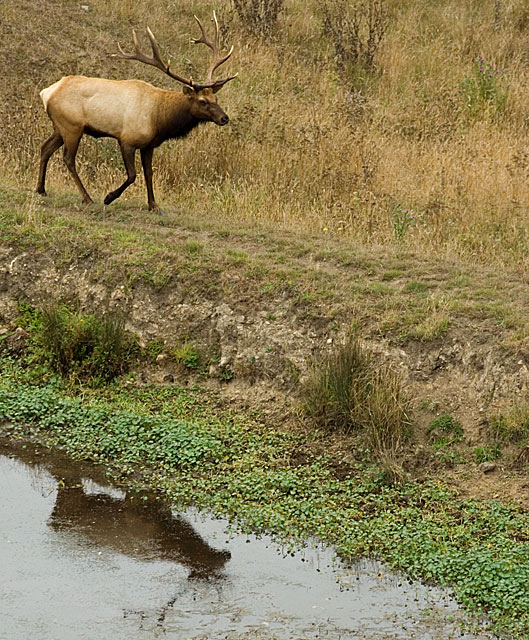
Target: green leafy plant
column 488, row 453
column 485, row 89
column 121, row 434
column 445, row 429
column 233, row 465
column 401, row 219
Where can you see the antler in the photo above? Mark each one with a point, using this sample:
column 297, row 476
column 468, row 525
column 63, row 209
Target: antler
column 214, row 46
column 156, row 60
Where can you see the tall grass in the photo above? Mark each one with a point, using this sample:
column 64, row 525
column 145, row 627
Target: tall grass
column 306, row 150
column 350, row 392
column 84, row 347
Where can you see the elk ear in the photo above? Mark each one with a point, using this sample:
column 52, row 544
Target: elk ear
column 189, row 91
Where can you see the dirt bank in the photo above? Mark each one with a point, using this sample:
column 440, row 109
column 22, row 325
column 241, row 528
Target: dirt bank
column 264, row 319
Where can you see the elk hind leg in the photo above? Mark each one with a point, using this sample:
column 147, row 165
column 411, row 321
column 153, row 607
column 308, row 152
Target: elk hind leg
column 46, row 151
column 70, row 151
column 128, row 154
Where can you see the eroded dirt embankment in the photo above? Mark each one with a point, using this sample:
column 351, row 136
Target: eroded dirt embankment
column 264, row 339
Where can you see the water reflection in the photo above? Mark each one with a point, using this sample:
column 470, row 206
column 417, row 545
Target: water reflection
column 139, row 526
column 68, row 540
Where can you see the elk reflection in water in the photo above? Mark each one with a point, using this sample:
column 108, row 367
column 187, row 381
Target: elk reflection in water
column 144, row 529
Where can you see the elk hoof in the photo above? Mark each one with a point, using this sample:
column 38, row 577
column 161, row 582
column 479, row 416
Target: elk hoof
column 156, row 209
column 108, row 199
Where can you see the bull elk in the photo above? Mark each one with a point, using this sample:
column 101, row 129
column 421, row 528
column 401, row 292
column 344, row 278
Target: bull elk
column 135, row 113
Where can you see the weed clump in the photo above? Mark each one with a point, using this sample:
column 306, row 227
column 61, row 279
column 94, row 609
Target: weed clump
column 88, row 348
column 484, row 90
column 350, row 392
column 512, row 425
column 356, row 31
column 487, row 453
column 187, row 355
column 445, row 428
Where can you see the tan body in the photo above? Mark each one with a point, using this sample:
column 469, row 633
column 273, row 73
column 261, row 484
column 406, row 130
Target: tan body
column 135, row 113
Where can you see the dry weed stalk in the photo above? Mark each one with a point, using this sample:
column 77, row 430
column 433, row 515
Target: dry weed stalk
column 355, row 29
column 259, row 17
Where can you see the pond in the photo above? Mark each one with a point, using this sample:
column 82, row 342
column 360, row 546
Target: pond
column 83, row 559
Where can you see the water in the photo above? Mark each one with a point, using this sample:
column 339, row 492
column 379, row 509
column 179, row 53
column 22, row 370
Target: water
column 80, row 559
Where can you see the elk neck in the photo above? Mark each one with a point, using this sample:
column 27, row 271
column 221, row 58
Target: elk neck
column 174, row 117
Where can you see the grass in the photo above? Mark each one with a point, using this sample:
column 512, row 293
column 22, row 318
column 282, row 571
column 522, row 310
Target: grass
column 394, row 292
column 350, row 391
column 511, row 425
column 390, row 197
column 421, row 148
column 79, row 347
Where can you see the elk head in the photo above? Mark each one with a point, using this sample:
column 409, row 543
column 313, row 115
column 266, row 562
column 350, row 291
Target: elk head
column 202, row 101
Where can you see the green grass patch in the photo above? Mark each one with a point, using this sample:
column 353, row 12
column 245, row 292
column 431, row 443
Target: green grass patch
column 416, row 287
column 79, row 347
column 445, row 428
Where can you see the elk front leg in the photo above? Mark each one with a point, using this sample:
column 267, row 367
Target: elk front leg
column 70, row 151
column 128, row 154
column 146, row 161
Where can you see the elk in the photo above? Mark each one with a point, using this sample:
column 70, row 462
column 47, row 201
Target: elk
column 135, row 113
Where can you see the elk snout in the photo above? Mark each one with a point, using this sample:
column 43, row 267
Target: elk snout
column 219, row 117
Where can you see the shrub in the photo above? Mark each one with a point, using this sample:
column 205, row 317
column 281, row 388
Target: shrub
column 259, row 17
column 350, row 392
column 356, row 30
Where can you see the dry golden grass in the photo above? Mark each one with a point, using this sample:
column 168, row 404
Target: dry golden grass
column 307, row 149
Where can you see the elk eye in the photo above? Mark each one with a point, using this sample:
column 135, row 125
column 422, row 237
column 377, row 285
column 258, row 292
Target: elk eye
column 202, row 101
